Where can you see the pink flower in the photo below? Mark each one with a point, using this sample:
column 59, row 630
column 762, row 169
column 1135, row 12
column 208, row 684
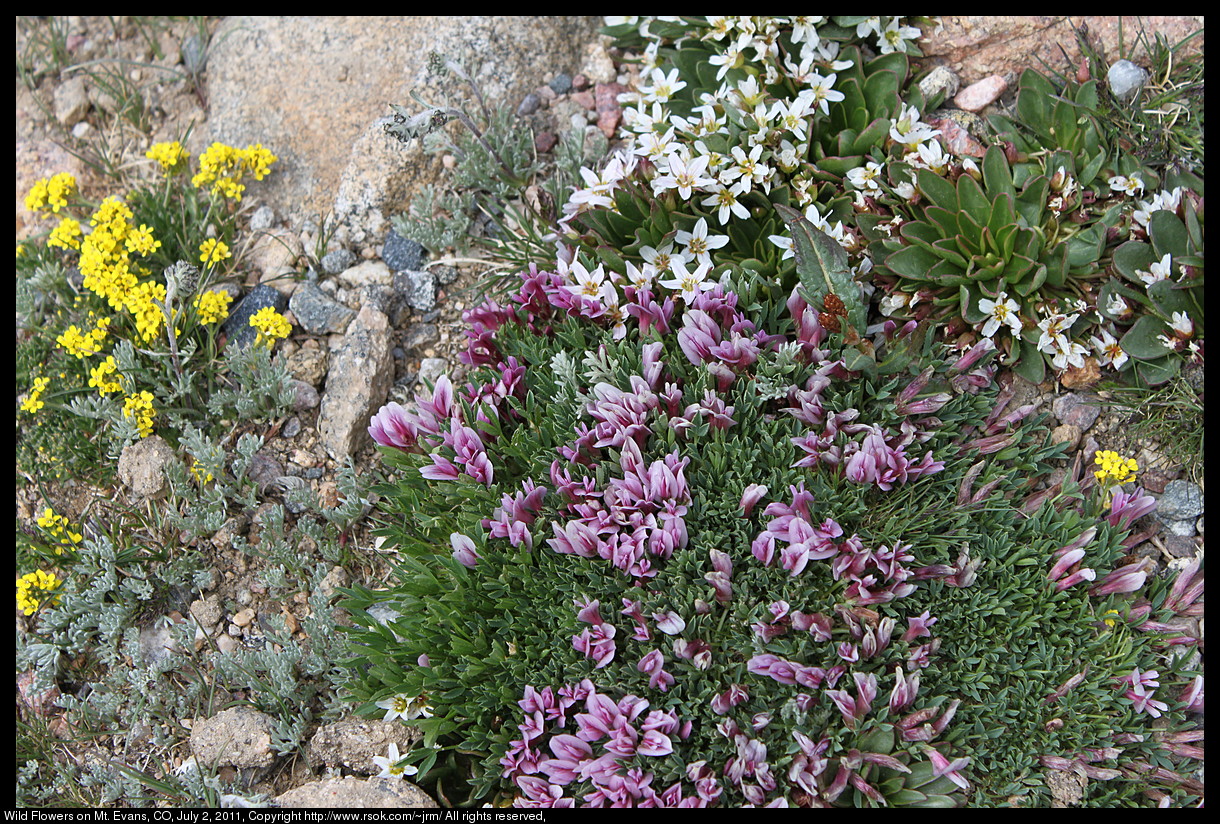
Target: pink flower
column 943, row 766
column 1127, row 578
column 464, row 550
column 1128, row 507
column 753, row 493
column 391, row 426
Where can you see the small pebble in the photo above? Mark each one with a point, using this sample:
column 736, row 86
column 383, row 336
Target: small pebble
column 1126, row 79
column 980, row 95
column 529, row 105
column 227, row 644
column 243, row 618
column 561, row 83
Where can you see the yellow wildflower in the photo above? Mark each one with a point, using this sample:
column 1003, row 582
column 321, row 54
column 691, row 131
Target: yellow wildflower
column 84, row 344
column 257, row 160
column 141, row 241
column 99, row 377
column 140, row 407
column 1114, row 467
column 33, row 588
column 212, row 306
column 171, row 156
column 213, row 251
column 146, row 313
column 113, row 213
column 57, row 528
column 51, row 193
column 33, row 402
column 66, row 235
column 271, row 326
column 222, row 168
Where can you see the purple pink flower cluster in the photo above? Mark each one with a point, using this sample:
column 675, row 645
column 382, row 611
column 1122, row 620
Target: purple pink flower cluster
column 603, row 742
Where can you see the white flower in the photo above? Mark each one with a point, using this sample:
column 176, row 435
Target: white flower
column 724, row 198
column 640, row 278
column 1068, row 353
column 892, row 303
column 929, row 155
column 1108, row 350
column 894, row 37
column 1127, row 185
column 1162, row 200
column 397, row 706
column 389, row 766
column 1182, row 324
column 660, row 259
column 1054, row 328
column 784, row 242
column 871, row 25
column 823, row 92
column 746, row 168
column 1157, row 271
column 683, row 175
column 588, row 283
column 731, row 59
column 655, row 146
column 690, row 284
column 698, row 244
column 1116, row 305
column 908, row 130
column 865, row 177
column 1001, row 311
column 663, row 86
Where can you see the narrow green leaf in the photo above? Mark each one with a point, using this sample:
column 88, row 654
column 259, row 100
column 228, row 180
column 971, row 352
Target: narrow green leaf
column 821, row 265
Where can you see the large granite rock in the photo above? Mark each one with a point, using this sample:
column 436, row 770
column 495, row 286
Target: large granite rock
column 321, row 83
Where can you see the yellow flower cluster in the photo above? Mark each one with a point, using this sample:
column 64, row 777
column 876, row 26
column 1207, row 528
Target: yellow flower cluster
column 148, row 315
column 57, row 527
column 212, row 306
column 51, row 193
column 33, row 401
column 66, row 235
column 171, row 156
column 1114, row 467
column 140, row 407
column 99, row 377
column 83, row 344
column 222, row 168
column 213, row 251
column 141, row 241
column 105, row 260
column 33, row 588
column 271, row 326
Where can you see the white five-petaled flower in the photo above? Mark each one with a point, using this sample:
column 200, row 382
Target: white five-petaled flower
column 1001, row 311
column 1067, row 353
column 724, row 199
column 909, row 130
column 1127, row 185
column 823, row 92
column 661, row 260
column 683, row 175
column 698, row 244
column 389, row 766
column 1117, row 306
column 1157, row 270
column 894, row 37
column 588, row 283
column 865, row 177
column 663, row 86
column 689, row 284
column 1108, row 350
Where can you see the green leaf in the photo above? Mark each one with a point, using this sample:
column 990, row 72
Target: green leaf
column 1141, row 342
column 821, row 265
column 1132, row 257
column 911, row 262
column 1167, row 233
column 936, row 189
column 1031, row 366
column 972, row 200
column 996, row 174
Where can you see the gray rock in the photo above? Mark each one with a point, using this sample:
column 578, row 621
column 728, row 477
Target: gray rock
column 362, row 369
column 529, row 105
column 1185, row 528
column 401, row 253
column 1126, row 79
column 941, row 79
column 1075, row 410
column 420, row 335
column 265, row 471
column 354, row 743
column 142, row 466
column 417, row 288
column 444, row 275
column 561, row 83
column 238, row 327
column 317, row 312
column 240, row 737
column 334, row 579
column 430, row 369
column 292, row 428
column 336, row 261
column 381, row 297
column 262, row 219
column 366, row 273
column 1182, row 500
column 351, row 792
column 308, row 363
column 306, row 396
column 71, row 101
column 1180, row 546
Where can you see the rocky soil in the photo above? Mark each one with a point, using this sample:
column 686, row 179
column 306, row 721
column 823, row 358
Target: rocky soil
column 373, row 316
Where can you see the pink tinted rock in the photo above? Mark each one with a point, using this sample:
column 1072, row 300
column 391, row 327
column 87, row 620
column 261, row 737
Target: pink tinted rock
column 545, row 141
column 608, row 123
column 956, row 139
column 977, row 96
column 584, row 99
